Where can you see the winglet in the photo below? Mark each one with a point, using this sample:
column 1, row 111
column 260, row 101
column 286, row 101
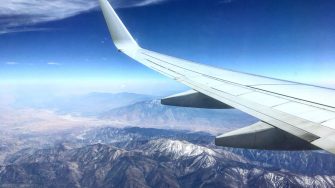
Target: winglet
column 120, row 35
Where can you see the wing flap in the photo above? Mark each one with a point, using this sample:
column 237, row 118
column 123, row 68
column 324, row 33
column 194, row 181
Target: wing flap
column 262, row 136
column 326, row 143
column 194, row 99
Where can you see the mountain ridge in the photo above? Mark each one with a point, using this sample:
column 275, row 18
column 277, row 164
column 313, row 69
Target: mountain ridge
column 175, row 158
column 104, row 165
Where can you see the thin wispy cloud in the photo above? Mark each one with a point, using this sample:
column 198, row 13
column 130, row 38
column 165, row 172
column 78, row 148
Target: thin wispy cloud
column 54, row 63
column 11, row 63
column 22, row 29
column 16, row 15
column 147, row 2
column 21, row 15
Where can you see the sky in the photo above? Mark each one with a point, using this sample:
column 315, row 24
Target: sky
column 64, row 45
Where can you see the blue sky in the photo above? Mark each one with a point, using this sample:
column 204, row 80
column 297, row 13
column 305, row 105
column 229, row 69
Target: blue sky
column 66, row 45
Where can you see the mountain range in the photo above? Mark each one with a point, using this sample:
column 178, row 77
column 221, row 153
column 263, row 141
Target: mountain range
column 97, row 158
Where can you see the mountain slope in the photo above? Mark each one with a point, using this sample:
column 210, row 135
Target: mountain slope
column 86, row 105
column 153, row 114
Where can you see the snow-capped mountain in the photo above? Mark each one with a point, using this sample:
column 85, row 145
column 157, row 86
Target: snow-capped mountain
column 143, row 159
column 177, row 149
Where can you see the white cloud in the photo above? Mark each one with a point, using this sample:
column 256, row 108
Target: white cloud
column 20, row 29
column 11, row 63
column 53, row 63
column 148, row 2
column 16, row 15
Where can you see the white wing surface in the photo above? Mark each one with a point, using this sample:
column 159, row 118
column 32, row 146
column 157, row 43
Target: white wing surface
column 292, row 115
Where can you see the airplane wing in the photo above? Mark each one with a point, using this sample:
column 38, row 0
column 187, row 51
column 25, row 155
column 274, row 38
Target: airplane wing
column 293, row 116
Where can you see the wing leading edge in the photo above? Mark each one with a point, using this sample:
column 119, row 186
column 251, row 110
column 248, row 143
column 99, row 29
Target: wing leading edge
column 299, row 113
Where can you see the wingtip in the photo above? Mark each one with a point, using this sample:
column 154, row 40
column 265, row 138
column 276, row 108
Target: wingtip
column 120, row 35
